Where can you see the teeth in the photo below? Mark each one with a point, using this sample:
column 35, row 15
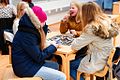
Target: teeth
column 72, row 12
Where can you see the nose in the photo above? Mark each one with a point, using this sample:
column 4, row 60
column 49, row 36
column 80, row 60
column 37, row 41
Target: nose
column 70, row 10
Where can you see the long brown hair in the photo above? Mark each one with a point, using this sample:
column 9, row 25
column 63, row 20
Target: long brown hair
column 91, row 12
column 4, row 1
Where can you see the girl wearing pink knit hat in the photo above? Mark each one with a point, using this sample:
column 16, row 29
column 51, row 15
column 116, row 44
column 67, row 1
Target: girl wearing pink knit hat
column 29, row 52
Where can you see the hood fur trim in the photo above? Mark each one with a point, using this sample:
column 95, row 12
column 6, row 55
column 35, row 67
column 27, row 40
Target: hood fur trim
column 113, row 31
column 34, row 19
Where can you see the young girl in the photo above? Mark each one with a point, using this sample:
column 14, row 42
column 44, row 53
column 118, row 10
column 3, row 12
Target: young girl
column 29, row 52
column 97, row 34
column 71, row 22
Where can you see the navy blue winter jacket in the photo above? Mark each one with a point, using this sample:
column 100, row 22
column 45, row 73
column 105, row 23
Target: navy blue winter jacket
column 27, row 57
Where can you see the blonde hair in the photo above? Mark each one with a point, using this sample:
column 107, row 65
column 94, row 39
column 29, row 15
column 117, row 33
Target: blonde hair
column 34, row 19
column 78, row 5
column 19, row 8
column 91, row 12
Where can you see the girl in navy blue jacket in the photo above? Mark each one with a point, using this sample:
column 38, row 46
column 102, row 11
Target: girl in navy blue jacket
column 29, row 52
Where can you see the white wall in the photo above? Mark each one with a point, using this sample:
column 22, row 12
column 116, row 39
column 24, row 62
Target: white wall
column 86, row 0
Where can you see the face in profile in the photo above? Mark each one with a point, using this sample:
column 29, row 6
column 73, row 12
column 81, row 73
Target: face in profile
column 73, row 10
column 22, row 11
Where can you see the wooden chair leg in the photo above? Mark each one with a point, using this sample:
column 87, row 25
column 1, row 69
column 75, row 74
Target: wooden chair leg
column 104, row 78
column 10, row 52
column 110, row 74
column 87, row 76
column 92, row 77
column 78, row 75
column 71, row 78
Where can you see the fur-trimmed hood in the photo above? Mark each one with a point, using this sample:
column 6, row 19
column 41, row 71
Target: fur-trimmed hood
column 34, row 19
column 113, row 31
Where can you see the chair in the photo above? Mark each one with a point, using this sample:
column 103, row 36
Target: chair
column 34, row 78
column 8, row 73
column 8, row 38
column 108, row 67
column 116, row 6
column 102, row 73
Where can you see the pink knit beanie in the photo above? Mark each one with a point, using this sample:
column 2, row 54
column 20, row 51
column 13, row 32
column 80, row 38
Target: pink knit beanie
column 39, row 13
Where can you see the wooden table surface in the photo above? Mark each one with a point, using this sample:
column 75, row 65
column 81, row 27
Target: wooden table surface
column 66, row 53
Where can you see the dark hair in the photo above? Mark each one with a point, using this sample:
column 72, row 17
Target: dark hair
column 29, row 1
column 4, row 1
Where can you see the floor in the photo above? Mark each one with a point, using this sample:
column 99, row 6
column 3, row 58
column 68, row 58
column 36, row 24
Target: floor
column 4, row 61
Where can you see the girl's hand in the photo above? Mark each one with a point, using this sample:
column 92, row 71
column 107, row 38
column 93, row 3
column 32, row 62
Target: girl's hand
column 54, row 43
column 73, row 32
column 42, row 24
column 66, row 17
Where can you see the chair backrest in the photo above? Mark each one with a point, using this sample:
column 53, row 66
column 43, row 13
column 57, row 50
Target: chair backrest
column 108, row 66
column 116, row 6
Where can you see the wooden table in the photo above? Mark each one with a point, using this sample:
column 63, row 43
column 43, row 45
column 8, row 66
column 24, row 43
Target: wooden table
column 66, row 53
